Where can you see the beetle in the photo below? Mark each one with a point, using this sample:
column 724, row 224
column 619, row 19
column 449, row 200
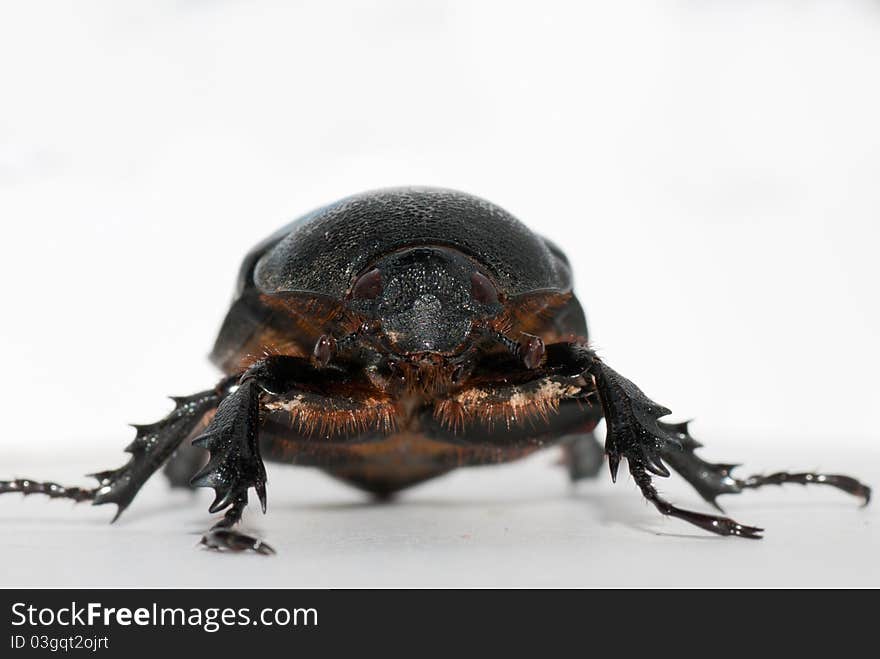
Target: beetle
column 393, row 336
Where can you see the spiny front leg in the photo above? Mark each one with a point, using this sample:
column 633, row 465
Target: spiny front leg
column 235, row 465
column 152, row 446
column 714, row 479
column 232, row 438
column 635, row 433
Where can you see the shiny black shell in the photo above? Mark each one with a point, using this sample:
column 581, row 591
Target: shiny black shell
column 320, row 254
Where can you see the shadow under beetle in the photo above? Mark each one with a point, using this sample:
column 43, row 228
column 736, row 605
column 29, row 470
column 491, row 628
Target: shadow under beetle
column 393, row 336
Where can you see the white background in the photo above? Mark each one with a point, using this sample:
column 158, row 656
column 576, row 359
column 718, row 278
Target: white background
column 710, row 168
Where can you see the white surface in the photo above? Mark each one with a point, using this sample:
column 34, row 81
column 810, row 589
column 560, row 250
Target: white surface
column 711, row 168
column 514, row 525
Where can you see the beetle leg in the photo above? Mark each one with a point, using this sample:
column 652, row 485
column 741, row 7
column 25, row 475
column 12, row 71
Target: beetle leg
column 232, row 438
column 712, row 523
column 152, row 446
column 235, row 464
column 582, row 455
column 634, row 432
column 713, row 479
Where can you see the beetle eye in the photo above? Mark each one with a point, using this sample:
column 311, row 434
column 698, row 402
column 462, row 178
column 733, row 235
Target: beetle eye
column 483, row 290
column 368, row 285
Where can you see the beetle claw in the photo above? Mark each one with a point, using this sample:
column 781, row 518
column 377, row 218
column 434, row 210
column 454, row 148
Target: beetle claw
column 712, row 523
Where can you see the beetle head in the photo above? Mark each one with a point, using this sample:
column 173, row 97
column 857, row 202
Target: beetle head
column 425, row 299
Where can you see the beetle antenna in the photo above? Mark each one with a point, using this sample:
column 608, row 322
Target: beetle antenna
column 530, row 350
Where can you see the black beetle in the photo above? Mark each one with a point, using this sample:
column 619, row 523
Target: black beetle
column 393, row 336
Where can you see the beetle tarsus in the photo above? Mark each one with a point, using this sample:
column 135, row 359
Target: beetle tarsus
column 846, row 483
column 711, row 523
column 223, row 537
column 52, row 490
column 711, row 480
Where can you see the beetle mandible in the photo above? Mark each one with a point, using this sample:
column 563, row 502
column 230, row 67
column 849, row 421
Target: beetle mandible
column 393, row 336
